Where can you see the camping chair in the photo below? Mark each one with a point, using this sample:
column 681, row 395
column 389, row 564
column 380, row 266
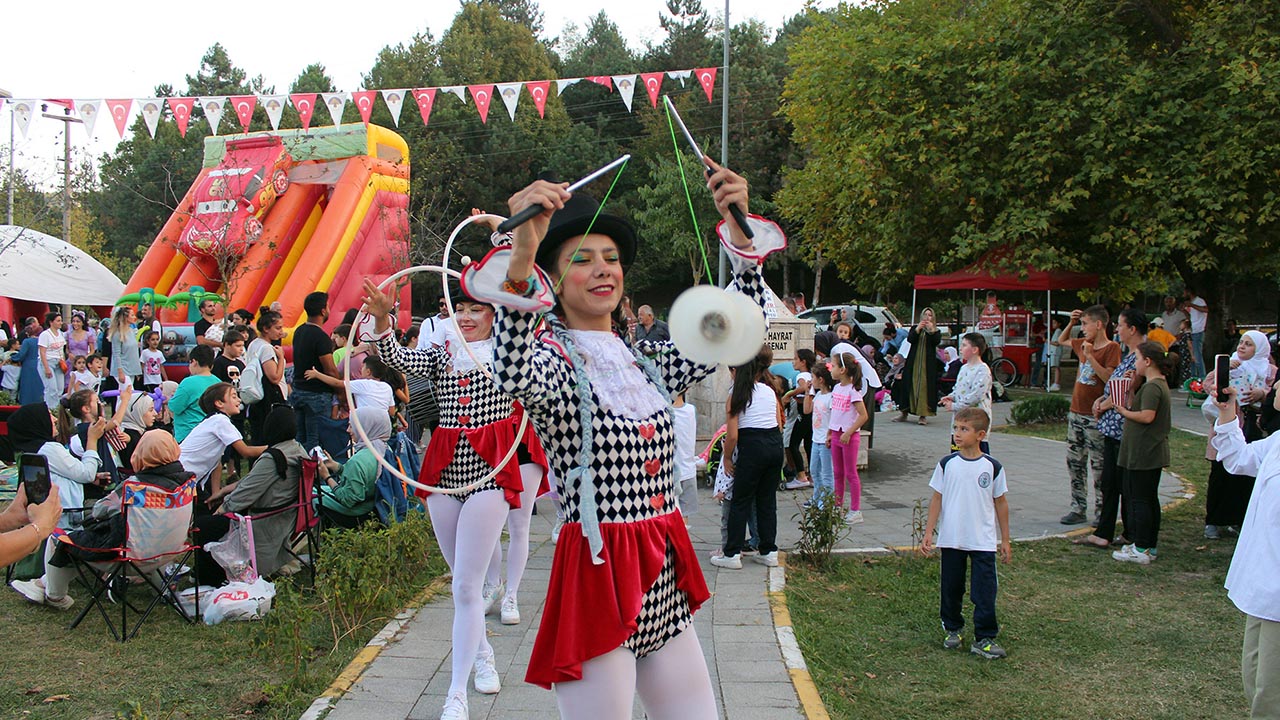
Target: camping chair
column 306, row 528
column 156, row 548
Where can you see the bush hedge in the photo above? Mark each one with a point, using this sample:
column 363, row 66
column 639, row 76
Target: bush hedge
column 1039, row 409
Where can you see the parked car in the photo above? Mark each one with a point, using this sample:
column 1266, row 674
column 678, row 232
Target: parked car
column 871, row 318
column 233, row 199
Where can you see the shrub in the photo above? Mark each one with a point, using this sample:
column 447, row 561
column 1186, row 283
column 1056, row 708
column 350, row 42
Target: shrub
column 821, row 525
column 1042, row 408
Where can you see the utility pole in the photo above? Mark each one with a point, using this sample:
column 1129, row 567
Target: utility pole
column 724, row 135
column 9, row 95
column 66, row 120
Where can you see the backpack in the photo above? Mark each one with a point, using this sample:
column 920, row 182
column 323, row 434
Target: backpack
column 251, row 390
column 390, row 499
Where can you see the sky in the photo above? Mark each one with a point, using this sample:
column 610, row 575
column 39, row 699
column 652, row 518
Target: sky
column 124, row 50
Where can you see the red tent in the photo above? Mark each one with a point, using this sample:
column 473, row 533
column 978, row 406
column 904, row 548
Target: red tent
column 978, row 277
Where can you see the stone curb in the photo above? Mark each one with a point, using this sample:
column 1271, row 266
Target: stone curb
column 801, row 680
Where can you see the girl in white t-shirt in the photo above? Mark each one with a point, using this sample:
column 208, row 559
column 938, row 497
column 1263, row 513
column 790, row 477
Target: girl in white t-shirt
column 152, row 362
column 378, row 385
column 818, row 404
column 81, row 378
column 52, row 344
column 848, row 414
column 204, row 446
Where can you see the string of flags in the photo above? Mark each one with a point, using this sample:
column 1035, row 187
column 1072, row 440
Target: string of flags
column 242, row 107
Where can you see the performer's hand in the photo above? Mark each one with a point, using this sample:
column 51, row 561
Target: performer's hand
column 728, row 187
column 378, row 304
column 524, row 245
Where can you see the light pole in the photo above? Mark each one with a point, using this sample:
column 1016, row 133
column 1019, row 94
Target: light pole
column 6, row 94
column 724, row 136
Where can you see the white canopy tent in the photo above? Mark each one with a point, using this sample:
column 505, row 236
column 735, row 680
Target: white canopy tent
column 39, row 267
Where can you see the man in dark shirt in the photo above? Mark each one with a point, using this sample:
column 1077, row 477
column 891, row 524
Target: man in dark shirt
column 649, row 328
column 312, row 348
column 208, row 308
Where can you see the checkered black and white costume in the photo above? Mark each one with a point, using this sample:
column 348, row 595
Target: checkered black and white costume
column 649, row 583
column 477, row 424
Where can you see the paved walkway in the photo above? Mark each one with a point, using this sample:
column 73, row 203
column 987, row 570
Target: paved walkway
column 410, row 676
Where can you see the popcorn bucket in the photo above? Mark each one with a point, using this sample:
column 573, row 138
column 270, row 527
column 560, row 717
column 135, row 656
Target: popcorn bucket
column 1119, row 387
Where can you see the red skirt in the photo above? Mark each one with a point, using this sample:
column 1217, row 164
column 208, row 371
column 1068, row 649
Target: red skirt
column 592, row 609
column 491, row 442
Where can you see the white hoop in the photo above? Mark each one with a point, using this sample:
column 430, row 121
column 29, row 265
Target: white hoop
column 445, row 274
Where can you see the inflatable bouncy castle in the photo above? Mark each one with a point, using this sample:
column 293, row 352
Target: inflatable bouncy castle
column 274, row 216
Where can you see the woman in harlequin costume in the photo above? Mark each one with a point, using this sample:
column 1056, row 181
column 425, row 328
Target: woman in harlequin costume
column 625, row 580
column 478, row 425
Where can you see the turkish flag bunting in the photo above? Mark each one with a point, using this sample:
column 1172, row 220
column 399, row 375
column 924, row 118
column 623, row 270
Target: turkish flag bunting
column 604, row 80
column 181, row 109
column 653, row 85
column 364, row 103
column 150, row 108
column 394, row 100
column 89, row 114
column 539, row 90
column 482, row 94
column 305, row 104
column 426, row 98
column 707, row 79
column 120, row 113
column 244, row 105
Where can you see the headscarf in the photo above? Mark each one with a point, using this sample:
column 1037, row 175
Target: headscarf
column 137, row 407
column 280, row 425
column 156, row 448
column 30, row 427
column 952, row 354
column 870, row 378
column 377, row 425
column 1260, row 363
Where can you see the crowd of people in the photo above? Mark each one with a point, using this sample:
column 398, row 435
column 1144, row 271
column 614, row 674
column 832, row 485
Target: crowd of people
column 610, row 436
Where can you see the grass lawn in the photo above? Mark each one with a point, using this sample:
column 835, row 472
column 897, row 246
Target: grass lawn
column 1087, row 637
column 174, row 670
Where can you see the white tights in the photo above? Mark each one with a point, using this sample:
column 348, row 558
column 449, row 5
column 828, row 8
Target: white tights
column 466, row 533
column 673, row 684
column 518, row 521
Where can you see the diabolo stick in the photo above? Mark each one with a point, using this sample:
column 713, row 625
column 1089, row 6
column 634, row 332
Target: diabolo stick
column 532, row 211
column 736, row 211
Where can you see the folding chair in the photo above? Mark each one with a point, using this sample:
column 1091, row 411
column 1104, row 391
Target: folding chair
column 306, row 527
column 156, row 547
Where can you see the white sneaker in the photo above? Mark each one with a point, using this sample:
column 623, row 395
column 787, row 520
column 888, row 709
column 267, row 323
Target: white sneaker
column 1054, row 388
column 489, row 596
column 487, row 680
column 731, row 562
column 510, row 611
column 799, row 484
column 33, row 591
column 455, row 707
column 853, row 517
column 1131, row 553
column 767, row 559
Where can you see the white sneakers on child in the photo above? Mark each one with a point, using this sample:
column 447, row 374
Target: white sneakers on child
column 486, row 678
column 730, row 562
column 767, row 559
column 510, row 611
column 853, row 517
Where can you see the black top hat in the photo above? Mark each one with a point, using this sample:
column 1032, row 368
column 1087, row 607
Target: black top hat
column 574, row 219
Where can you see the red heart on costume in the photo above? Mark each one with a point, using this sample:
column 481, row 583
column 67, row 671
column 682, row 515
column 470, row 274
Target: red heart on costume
column 657, row 501
column 463, row 382
column 464, row 419
column 647, row 430
column 464, row 400
column 653, row 466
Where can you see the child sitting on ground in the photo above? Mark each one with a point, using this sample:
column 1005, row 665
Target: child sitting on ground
column 973, row 383
column 969, row 499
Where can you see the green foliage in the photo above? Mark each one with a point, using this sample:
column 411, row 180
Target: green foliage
column 1075, row 135
column 1050, row 407
column 821, row 527
column 6, row 398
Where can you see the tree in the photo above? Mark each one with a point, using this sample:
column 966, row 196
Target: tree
column 1087, row 135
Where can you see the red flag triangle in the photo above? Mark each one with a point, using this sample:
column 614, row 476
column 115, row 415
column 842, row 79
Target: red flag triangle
column 707, row 79
column 244, row 105
column 482, row 94
column 539, row 90
column 120, row 113
column 652, row 84
column 181, row 109
column 364, row 103
column 426, row 98
column 305, row 104
column 604, row 80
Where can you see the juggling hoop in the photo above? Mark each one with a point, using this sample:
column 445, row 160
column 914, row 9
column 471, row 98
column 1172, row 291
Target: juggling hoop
column 445, row 274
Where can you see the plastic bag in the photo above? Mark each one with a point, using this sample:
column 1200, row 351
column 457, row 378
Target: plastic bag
column 238, row 601
column 234, row 552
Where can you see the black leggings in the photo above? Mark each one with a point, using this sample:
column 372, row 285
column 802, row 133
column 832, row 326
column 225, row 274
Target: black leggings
column 801, row 432
column 1141, row 492
column 755, row 485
